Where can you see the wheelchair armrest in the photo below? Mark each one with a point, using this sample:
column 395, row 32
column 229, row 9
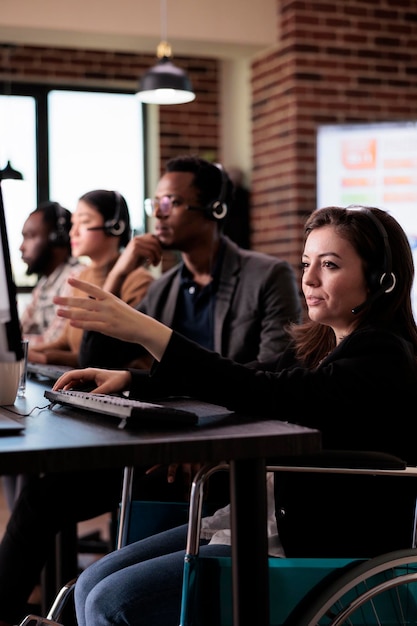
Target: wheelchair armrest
column 350, row 459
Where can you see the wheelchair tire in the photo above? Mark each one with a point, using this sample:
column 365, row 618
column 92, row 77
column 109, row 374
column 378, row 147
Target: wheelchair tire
column 381, row 591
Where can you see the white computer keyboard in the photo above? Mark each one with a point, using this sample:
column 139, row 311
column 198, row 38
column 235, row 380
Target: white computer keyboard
column 131, row 413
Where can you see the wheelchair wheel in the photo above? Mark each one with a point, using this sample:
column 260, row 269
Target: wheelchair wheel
column 379, row 592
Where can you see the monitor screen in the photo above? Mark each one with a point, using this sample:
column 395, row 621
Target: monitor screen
column 10, row 334
column 371, row 164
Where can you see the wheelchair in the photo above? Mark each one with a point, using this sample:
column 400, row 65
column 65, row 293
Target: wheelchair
column 348, row 526
column 356, row 574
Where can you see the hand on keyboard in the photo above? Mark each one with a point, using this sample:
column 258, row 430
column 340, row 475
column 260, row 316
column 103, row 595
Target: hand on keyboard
column 100, row 381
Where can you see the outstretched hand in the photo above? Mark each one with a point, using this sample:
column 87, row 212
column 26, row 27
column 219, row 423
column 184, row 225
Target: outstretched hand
column 105, row 313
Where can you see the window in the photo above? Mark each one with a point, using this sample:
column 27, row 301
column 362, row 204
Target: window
column 95, row 142
column 65, row 143
column 18, row 145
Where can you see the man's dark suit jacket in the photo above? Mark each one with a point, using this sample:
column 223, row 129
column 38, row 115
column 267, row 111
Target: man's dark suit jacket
column 257, row 297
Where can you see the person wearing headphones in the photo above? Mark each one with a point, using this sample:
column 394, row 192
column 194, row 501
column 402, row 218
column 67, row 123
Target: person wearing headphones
column 234, row 301
column 346, row 372
column 237, row 302
column 101, row 230
column 46, row 250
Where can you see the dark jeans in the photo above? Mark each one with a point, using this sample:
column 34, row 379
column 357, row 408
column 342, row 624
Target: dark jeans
column 140, row 584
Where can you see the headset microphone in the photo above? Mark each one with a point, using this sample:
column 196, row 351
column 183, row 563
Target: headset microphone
column 114, row 227
column 217, row 209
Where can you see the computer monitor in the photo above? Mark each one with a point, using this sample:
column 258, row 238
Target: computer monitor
column 10, row 333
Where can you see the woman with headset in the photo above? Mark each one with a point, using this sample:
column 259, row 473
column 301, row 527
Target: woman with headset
column 346, row 372
column 100, row 230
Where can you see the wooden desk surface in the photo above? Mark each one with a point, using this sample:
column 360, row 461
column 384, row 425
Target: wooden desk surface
column 67, row 439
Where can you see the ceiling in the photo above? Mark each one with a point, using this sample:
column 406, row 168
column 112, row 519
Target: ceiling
column 219, row 28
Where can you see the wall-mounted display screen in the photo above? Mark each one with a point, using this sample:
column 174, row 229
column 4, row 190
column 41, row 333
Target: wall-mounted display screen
column 374, row 165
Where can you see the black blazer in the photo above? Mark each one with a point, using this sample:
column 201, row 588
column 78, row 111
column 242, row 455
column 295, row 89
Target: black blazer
column 362, row 396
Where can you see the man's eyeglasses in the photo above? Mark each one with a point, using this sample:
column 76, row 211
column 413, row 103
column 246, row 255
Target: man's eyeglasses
column 164, row 205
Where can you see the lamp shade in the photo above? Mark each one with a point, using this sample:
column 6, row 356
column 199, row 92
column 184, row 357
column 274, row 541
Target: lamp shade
column 9, row 173
column 165, row 83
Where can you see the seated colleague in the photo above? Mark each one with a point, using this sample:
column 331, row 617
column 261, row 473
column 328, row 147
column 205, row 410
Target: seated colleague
column 234, row 301
column 360, row 340
column 100, row 230
column 186, row 297
column 46, row 250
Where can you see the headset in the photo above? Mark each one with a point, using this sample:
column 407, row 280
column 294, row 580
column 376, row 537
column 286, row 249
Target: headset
column 384, row 280
column 115, row 227
column 59, row 236
column 217, row 209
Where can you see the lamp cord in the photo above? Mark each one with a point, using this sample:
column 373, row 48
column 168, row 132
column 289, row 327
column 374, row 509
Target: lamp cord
column 164, row 34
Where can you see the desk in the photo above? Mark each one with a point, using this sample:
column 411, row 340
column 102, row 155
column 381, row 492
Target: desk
column 64, row 439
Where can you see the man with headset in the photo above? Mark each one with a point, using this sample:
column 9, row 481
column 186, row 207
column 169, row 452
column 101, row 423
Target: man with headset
column 46, row 250
column 234, row 301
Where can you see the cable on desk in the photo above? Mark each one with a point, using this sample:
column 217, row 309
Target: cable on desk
column 41, row 408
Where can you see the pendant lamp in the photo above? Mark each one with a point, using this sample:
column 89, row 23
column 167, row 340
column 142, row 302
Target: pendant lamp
column 165, row 83
column 9, row 173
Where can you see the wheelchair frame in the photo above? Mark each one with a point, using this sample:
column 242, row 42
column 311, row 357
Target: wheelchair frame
column 337, row 596
column 335, row 600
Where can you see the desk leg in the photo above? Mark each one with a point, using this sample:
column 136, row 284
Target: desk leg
column 249, row 543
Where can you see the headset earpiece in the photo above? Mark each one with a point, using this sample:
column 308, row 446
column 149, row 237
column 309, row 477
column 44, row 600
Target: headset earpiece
column 116, row 226
column 59, row 236
column 217, row 209
column 384, row 280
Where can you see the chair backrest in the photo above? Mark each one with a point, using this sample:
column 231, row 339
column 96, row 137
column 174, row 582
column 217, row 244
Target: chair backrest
column 141, row 518
column 148, row 517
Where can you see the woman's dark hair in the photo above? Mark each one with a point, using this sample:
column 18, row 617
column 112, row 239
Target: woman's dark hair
column 113, row 208
column 388, row 308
